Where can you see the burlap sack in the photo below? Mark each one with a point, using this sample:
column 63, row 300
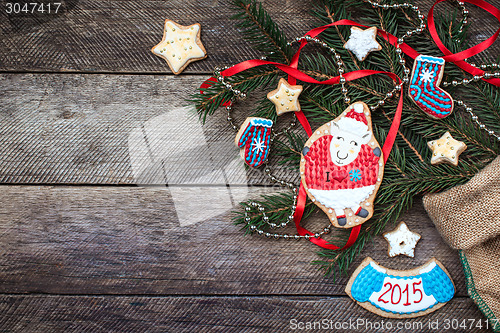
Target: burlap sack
column 468, row 218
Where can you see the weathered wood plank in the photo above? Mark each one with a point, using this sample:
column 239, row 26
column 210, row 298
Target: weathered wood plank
column 120, row 129
column 119, row 240
column 40, row 313
column 117, row 36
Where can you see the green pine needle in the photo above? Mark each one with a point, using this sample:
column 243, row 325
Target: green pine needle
column 408, row 173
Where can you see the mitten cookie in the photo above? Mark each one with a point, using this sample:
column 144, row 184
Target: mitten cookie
column 254, row 138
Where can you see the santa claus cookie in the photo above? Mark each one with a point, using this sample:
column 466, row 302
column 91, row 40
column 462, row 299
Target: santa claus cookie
column 342, row 167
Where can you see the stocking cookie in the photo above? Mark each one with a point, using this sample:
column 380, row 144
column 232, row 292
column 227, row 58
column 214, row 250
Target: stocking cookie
column 180, row 45
column 342, row 167
column 400, row 294
column 424, row 87
column 253, row 139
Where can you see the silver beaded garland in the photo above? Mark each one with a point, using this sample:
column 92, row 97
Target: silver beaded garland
column 241, row 95
column 475, row 118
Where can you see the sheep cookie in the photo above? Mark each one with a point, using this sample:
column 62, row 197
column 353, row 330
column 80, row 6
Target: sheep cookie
column 342, row 166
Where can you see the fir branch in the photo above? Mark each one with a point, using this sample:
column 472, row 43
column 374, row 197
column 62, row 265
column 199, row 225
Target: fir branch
column 408, row 172
column 290, row 151
column 258, row 28
column 211, row 98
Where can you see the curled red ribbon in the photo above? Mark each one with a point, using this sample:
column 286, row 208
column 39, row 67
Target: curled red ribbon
column 458, row 58
column 294, row 74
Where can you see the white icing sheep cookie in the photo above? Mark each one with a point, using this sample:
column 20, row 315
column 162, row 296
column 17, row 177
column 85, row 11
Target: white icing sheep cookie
column 402, row 241
column 400, row 294
column 446, row 149
column 342, row 167
column 362, row 42
column 180, row 45
column 285, row 97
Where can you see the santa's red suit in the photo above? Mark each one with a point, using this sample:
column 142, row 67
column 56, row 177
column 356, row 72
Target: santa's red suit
column 340, row 187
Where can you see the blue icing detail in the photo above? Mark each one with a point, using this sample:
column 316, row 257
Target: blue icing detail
column 438, row 284
column 419, row 91
column 261, row 122
column 355, row 175
column 253, row 152
column 445, row 106
column 430, row 103
column 258, row 129
column 445, row 99
column 244, row 137
column 432, row 108
column 368, row 281
column 431, row 59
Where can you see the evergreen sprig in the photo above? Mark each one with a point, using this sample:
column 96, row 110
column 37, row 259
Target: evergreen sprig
column 408, row 172
column 259, row 28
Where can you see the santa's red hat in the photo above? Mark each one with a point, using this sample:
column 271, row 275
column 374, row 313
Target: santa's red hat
column 354, row 121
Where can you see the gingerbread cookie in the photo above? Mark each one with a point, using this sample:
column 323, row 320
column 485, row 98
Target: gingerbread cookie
column 424, row 87
column 362, row 42
column 180, row 45
column 342, row 166
column 254, row 139
column 446, row 149
column 400, row 294
column 402, row 241
column 285, row 97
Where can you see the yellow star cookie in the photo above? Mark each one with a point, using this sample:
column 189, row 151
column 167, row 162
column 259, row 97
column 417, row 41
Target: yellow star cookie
column 180, row 45
column 285, row 98
column 402, row 241
column 446, row 149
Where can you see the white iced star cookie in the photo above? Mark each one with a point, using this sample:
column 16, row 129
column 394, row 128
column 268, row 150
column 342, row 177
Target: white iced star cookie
column 446, row 149
column 285, row 98
column 402, row 241
column 362, row 42
column 180, row 45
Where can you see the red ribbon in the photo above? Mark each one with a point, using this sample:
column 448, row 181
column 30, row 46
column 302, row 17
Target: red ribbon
column 294, row 74
column 455, row 58
column 458, row 58
column 207, row 84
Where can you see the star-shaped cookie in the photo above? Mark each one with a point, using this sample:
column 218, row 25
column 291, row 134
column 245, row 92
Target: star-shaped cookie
column 446, row 149
column 362, row 42
column 180, row 45
column 402, row 241
column 285, row 98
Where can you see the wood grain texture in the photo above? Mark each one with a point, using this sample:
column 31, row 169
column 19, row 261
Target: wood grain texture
column 115, row 129
column 117, row 36
column 152, row 258
column 213, row 314
column 116, row 240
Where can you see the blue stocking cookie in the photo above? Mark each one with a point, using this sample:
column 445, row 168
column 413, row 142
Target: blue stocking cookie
column 424, row 87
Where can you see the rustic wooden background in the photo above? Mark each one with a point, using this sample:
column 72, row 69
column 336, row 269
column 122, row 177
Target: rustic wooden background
column 92, row 128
